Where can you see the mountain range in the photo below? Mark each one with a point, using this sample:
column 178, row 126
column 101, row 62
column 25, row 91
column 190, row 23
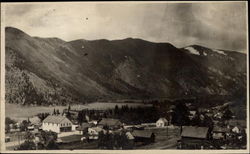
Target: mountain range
column 43, row 71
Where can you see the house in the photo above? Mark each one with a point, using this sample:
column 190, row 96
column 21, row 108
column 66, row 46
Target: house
column 235, row 122
column 95, row 122
column 162, row 122
column 57, row 124
column 145, row 136
column 129, row 136
column 130, row 143
column 7, row 139
column 74, row 125
column 194, row 138
column 219, row 133
column 210, row 115
column 236, row 130
column 110, row 123
column 192, row 114
column 83, row 128
column 218, row 115
column 35, row 120
column 94, row 132
column 13, row 130
column 31, row 128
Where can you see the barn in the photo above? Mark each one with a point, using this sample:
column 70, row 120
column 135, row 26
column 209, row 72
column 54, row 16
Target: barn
column 145, row 136
column 194, row 138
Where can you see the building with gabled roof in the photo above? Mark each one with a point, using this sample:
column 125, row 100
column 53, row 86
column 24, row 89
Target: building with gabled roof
column 195, row 138
column 57, row 124
column 162, row 122
column 111, row 123
column 195, row 132
column 143, row 136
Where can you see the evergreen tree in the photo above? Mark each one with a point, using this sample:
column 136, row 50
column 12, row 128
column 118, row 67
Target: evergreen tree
column 69, row 108
column 227, row 115
column 57, row 112
column 180, row 115
column 54, row 112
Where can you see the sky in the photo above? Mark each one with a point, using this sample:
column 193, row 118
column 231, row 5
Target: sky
column 220, row 25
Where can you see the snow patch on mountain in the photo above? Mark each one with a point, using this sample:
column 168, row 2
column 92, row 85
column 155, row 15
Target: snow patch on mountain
column 193, row 50
column 220, row 52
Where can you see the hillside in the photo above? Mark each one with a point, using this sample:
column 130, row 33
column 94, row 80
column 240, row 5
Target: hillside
column 45, row 71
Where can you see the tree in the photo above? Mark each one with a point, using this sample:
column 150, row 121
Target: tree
column 24, row 125
column 116, row 109
column 42, row 116
column 227, row 115
column 48, row 140
column 180, row 115
column 101, row 140
column 28, row 143
column 29, row 136
column 54, row 112
column 57, row 112
column 8, row 122
column 69, row 108
column 68, row 115
column 80, row 117
column 27, row 146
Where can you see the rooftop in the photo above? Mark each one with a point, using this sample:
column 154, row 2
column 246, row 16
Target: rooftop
column 194, row 132
column 55, row 119
column 163, row 119
column 142, row 133
column 110, row 122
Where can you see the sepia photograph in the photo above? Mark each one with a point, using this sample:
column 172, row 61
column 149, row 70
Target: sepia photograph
column 119, row 76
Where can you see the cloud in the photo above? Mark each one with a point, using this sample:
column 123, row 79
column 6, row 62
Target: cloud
column 216, row 25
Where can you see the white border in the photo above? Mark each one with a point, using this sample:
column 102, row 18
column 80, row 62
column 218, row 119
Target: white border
column 2, row 104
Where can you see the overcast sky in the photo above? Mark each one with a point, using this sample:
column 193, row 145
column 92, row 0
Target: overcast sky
column 216, row 25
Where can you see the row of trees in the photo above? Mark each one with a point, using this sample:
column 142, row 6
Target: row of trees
column 126, row 114
column 12, row 124
column 42, row 141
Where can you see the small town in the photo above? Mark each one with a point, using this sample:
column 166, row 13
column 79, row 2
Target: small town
column 178, row 126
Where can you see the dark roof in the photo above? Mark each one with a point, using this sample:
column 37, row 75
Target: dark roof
column 110, row 122
column 142, row 133
column 56, row 119
column 71, row 138
column 194, row 132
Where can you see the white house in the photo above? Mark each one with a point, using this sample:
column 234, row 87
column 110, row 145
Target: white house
column 57, row 123
column 162, row 122
column 94, row 130
column 236, row 130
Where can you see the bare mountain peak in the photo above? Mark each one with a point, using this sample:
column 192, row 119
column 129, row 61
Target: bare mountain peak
column 15, row 31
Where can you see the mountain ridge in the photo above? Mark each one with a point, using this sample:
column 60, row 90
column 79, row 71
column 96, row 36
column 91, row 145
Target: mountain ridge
column 82, row 70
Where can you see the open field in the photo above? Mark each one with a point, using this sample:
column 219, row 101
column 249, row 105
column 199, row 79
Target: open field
column 18, row 112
